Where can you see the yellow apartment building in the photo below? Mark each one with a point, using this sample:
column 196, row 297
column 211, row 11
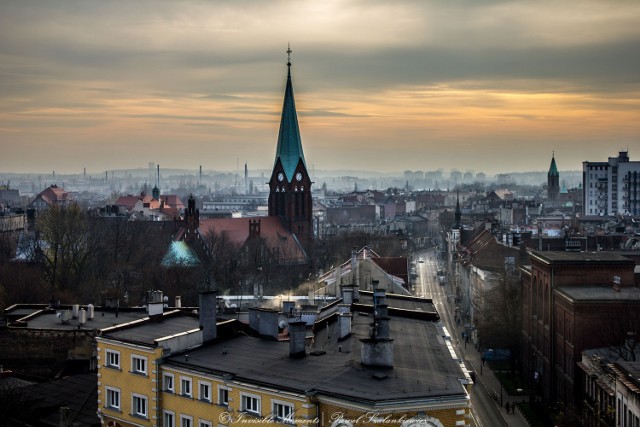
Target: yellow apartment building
column 361, row 364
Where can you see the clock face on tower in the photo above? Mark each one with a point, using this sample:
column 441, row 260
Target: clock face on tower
column 299, row 176
column 280, row 176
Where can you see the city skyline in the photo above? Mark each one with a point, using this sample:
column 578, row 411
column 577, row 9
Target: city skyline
column 492, row 86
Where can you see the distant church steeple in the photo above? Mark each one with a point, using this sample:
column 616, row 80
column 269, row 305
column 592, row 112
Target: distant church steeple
column 458, row 214
column 155, row 193
column 290, row 183
column 553, row 180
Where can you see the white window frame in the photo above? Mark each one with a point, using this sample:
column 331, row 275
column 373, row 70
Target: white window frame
column 283, row 404
column 168, row 419
column 205, row 423
column 183, row 381
column 135, row 397
column 220, row 390
column 165, row 377
column 244, row 398
column 186, row 421
column 138, row 364
column 109, row 356
column 111, row 392
column 206, row 384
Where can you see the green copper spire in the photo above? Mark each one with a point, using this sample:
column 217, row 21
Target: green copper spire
column 553, row 169
column 289, row 149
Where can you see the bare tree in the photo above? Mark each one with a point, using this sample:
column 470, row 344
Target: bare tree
column 499, row 313
column 65, row 246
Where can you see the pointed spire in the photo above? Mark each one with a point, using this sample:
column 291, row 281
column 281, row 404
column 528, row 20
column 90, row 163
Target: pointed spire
column 553, row 169
column 289, row 149
column 458, row 213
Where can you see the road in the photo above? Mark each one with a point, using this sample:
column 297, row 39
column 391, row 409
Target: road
column 484, row 411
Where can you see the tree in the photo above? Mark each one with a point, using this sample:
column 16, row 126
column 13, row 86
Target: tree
column 498, row 310
column 65, row 245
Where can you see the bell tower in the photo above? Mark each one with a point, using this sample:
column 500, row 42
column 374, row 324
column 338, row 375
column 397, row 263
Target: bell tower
column 290, row 183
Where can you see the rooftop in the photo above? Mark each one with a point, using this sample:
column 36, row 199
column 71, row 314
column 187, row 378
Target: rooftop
column 42, row 317
column 599, row 293
column 560, row 257
column 423, row 366
column 147, row 331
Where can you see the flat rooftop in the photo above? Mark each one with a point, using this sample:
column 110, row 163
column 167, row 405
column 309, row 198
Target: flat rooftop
column 146, row 331
column 423, row 366
column 599, row 293
column 43, row 318
column 562, row 257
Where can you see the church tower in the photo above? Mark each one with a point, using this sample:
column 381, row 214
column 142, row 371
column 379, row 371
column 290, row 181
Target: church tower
column 290, row 184
column 553, row 181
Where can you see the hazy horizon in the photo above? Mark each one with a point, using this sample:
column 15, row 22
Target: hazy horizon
column 489, row 86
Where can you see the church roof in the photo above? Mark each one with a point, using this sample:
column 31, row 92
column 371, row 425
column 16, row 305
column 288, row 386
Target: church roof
column 553, row 169
column 289, row 149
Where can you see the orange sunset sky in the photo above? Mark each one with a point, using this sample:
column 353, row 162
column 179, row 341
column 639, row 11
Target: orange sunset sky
column 491, row 86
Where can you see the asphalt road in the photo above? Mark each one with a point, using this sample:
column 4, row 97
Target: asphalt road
column 484, row 411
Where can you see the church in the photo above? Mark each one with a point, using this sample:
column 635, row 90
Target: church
column 287, row 232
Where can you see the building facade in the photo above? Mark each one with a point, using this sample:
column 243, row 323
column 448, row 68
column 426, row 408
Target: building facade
column 169, row 370
column 611, row 187
column 572, row 301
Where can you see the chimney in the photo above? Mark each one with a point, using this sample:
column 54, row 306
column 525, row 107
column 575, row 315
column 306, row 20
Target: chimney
column 344, row 325
column 377, row 350
column 64, row 417
column 207, row 314
column 355, row 274
column 297, row 335
column 264, row 321
column 155, row 303
column 347, row 294
column 178, row 301
column 288, row 307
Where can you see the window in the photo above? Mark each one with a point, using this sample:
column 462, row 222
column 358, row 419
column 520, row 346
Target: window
column 168, row 419
column 204, row 391
column 185, row 386
column 223, row 396
column 205, row 423
column 113, row 359
column 139, row 365
column 186, row 421
column 250, row 403
column 139, row 405
column 113, row 398
column 167, row 383
column 283, row 412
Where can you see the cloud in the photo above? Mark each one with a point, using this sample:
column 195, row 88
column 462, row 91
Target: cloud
column 408, row 74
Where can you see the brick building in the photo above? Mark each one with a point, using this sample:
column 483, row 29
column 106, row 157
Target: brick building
column 572, row 301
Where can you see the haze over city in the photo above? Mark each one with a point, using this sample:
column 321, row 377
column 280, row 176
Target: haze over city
column 492, row 86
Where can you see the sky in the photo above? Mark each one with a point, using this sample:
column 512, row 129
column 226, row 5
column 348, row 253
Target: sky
column 473, row 85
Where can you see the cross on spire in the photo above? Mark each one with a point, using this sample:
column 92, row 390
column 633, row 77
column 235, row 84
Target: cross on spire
column 289, row 58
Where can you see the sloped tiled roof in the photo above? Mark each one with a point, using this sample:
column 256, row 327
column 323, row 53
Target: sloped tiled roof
column 53, row 195
column 236, row 230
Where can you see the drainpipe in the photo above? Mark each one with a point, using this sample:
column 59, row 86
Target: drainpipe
column 159, row 386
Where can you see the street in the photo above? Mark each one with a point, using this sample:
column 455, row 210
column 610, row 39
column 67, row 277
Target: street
column 484, row 411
